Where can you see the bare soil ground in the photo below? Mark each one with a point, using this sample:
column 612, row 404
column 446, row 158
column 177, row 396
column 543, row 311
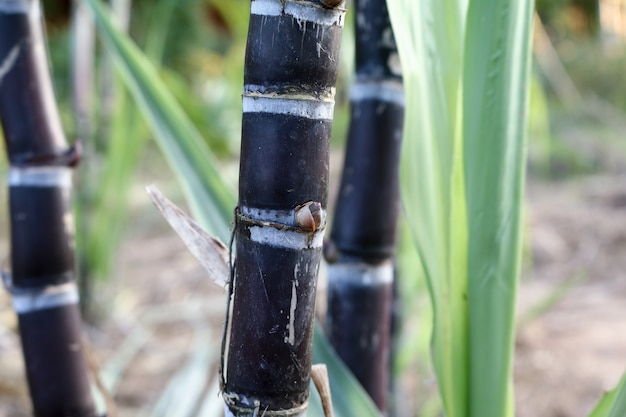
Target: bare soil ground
column 569, row 350
column 569, row 355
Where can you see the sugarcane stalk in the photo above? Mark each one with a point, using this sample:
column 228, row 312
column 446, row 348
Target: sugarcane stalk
column 363, row 237
column 42, row 282
column 290, row 74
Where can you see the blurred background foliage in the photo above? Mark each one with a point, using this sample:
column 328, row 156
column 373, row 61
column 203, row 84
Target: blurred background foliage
column 200, row 45
column 579, row 18
column 578, row 95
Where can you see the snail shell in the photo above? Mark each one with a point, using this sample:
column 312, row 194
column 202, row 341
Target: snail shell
column 309, row 216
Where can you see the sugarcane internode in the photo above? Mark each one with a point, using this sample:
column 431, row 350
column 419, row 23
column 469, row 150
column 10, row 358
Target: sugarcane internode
column 290, row 74
column 41, row 282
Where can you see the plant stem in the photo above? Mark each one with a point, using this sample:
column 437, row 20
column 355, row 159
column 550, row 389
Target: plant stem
column 289, row 81
column 44, row 293
column 363, row 236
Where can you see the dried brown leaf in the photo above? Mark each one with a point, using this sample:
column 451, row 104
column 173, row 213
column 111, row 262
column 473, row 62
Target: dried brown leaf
column 319, row 374
column 209, row 250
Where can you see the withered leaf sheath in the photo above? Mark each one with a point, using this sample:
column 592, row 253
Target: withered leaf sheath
column 363, row 234
column 42, row 255
column 290, row 75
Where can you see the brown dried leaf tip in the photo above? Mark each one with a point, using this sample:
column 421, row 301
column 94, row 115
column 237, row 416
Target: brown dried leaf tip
column 319, row 374
column 209, row 250
column 309, row 216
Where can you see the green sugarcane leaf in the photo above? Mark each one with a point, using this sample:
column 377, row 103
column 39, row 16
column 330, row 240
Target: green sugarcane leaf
column 210, row 199
column 466, row 81
column 495, row 102
column 613, row 403
column 430, row 42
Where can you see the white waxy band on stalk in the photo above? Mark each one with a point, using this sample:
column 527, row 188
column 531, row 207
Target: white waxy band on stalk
column 289, row 239
column 267, row 7
column 361, row 273
column 295, row 412
column 284, row 238
column 301, row 11
column 40, row 177
column 315, row 14
column 322, row 94
column 286, row 217
column 385, row 91
column 25, row 301
column 310, row 109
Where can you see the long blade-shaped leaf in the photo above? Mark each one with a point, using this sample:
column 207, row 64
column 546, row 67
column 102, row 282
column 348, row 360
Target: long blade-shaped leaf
column 430, row 41
column 466, row 88
column 495, row 98
column 209, row 197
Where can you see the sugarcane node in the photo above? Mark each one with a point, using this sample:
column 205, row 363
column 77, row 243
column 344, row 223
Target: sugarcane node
column 331, row 3
column 68, row 158
column 308, row 216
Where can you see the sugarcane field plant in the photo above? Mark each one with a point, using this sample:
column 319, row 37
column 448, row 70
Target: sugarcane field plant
column 437, row 141
column 208, row 193
column 42, row 279
column 290, row 75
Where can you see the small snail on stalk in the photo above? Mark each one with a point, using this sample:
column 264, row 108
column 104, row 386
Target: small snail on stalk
column 309, row 215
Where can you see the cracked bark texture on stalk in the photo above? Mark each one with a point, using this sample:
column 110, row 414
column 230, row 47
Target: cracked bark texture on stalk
column 290, row 74
column 363, row 236
column 42, row 283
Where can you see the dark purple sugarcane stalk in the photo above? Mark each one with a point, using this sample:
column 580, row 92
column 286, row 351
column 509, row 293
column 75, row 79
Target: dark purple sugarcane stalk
column 291, row 67
column 41, row 283
column 363, row 238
